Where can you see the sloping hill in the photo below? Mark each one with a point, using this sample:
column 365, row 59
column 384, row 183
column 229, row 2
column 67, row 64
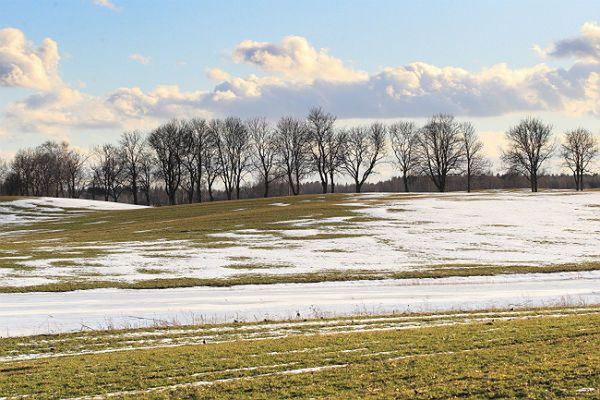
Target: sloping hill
column 58, row 244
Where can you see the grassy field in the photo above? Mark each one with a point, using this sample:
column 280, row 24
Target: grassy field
column 169, row 247
column 547, row 353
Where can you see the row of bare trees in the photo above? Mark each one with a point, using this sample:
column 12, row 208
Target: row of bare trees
column 444, row 146
column 197, row 157
column 193, row 155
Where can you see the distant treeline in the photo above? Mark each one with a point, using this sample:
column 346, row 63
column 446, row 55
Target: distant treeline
column 197, row 160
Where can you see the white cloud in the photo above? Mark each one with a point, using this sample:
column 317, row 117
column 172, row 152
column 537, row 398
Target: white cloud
column 22, row 64
column 142, row 59
column 57, row 112
column 60, row 112
column 106, row 4
column 166, row 101
column 296, row 60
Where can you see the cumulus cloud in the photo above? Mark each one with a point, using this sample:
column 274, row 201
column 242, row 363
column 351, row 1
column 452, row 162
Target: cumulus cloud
column 22, row 64
column 165, row 101
column 142, row 59
column 106, row 4
column 417, row 90
column 56, row 113
column 62, row 111
column 296, row 60
column 586, row 46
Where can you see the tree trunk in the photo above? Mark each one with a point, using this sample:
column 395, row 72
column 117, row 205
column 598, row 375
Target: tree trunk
column 266, row 191
column 534, row 183
column 442, row 184
column 405, row 180
column 468, row 182
column 332, row 183
column 134, row 191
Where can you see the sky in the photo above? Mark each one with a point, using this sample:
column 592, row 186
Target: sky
column 84, row 71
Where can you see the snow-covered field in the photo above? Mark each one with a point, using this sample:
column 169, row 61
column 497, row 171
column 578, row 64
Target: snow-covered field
column 394, row 233
column 40, row 313
column 397, row 234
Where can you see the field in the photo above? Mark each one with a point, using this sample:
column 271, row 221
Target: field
column 491, row 294
column 497, row 354
column 47, row 245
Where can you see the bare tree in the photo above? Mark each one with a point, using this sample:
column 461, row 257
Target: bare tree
column 336, row 145
column 441, row 148
column 132, row 145
column 529, row 146
column 404, row 139
column 201, row 139
column 475, row 161
column 23, row 166
column 62, row 153
column 189, row 159
column 264, row 149
column 108, row 171
column 579, row 149
column 292, row 148
column 48, row 170
column 74, row 166
column 320, row 129
column 232, row 142
column 210, row 157
column 365, row 147
column 167, row 142
column 147, row 171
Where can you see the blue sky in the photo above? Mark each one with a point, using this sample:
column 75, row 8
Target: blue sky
column 361, row 59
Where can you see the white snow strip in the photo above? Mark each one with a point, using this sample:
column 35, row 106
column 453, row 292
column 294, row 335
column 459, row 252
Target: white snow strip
column 38, row 209
column 37, row 313
column 61, row 203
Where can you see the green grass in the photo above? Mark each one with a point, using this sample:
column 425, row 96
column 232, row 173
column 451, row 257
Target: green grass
column 512, row 354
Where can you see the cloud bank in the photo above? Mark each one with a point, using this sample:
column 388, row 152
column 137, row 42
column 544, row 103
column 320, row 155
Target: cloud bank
column 293, row 75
